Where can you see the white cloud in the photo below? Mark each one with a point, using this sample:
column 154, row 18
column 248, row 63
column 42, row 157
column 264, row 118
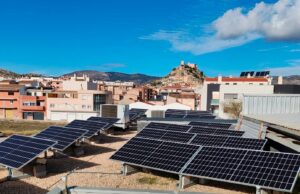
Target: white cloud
column 292, row 69
column 279, row 21
column 181, row 41
column 276, row 22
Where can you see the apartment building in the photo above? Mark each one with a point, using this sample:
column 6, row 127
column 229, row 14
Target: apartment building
column 218, row 93
column 9, row 100
column 33, row 103
column 118, row 89
column 68, row 105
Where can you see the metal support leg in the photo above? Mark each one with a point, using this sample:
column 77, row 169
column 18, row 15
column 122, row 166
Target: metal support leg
column 185, row 181
column 127, row 169
column 10, row 174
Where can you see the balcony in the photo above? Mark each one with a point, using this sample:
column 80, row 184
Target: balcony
column 32, row 108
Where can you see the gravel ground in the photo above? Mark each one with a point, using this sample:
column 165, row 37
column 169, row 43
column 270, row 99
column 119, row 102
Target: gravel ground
column 97, row 160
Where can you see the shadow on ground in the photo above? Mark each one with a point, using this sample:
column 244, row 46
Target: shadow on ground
column 17, row 187
column 67, row 164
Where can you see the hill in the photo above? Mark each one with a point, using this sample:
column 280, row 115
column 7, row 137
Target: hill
column 184, row 74
column 10, row 74
column 114, row 76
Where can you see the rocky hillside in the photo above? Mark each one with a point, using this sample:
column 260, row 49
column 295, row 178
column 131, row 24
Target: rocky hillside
column 115, row 76
column 9, row 74
column 184, row 74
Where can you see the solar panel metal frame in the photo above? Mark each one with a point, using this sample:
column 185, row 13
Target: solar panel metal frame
column 101, row 129
column 236, row 182
column 24, row 164
column 82, row 136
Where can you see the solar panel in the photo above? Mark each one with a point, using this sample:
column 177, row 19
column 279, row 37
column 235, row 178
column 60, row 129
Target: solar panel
column 157, row 125
column 104, row 119
column 245, row 143
column 135, row 113
column 174, row 127
column 200, row 117
column 91, row 126
column 17, row 151
column 159, row 134
column 64, row 136
column 136, row 150
column 228, row 132
column 170, row 156
column 155, row 154
column 217, row 163
column 242, row 74
column 178, row 116
column 170, row 127
column 215, row 125
column 209, row 140
column 270, row 170
column 211, row 131
column 151, row 133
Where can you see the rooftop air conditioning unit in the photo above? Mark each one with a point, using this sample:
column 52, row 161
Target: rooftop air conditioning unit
column 116, row 111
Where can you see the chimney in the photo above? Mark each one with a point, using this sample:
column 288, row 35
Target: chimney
column 280, row 80
column 182, row 62
column 248, row 75
column 219, row 78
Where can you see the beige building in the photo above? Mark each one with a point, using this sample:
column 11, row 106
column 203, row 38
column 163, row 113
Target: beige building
column 76, row 83
column 81, row 104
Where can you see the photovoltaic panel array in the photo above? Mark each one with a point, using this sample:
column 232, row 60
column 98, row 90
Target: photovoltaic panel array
column 170, row 127
column 16, row 151
column 154, row 154
column 211, row 125
column 270, row 170
column 64, row 136
column 211, row 131
column 203, row 140
column 91, row 126
column 104, row 119
column 173, row 113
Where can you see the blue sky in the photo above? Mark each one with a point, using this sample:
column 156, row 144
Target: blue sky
column 148, row 36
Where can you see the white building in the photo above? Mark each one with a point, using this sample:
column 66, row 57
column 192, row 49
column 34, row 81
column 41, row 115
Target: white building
column 70, row 105
column 218, row 92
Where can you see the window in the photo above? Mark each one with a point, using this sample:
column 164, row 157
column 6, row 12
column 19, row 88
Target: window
column 226, row 83
column 250, row 83
column 89, row 106
column 83, row 106
column 234, row 83
column 11, row 102
column 98, row 100
column 52, row 105
column 261, row 84
column 10, row 93
column 230, row 96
